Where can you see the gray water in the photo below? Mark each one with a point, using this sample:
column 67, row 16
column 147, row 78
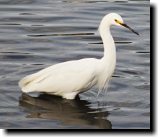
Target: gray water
column 35, row 34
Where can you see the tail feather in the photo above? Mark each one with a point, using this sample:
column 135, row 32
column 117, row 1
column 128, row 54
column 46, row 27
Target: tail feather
column 26, row 81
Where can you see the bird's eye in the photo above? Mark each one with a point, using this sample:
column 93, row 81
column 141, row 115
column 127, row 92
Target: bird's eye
column 116, row 20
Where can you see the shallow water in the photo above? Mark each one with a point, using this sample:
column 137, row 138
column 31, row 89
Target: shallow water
column 37, row 33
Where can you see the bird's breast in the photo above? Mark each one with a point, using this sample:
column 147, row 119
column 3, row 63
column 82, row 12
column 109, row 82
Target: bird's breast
column 105, row 73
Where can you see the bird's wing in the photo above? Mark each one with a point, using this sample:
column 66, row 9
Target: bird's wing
column 68, row 76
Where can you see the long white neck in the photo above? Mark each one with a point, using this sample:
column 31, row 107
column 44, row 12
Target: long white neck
column 108, row 61
column 108, row 43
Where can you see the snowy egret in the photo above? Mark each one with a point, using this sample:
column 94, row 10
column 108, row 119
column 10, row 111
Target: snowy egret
column 70, row 78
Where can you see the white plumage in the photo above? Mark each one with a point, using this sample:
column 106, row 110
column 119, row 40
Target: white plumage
column 72, row 77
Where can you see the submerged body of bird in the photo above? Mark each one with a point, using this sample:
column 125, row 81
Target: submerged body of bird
column 70, row 78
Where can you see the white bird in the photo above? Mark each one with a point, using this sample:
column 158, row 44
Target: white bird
column 70, row 78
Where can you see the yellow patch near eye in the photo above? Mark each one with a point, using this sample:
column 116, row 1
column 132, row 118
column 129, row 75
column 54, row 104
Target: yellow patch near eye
column 117, row 21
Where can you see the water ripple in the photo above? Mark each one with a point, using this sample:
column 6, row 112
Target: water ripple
column 37, row 34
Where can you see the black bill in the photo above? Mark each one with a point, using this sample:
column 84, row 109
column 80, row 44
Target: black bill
column 129, row 28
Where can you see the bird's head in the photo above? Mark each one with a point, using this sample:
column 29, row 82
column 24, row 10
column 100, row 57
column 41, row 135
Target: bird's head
column 116, row 19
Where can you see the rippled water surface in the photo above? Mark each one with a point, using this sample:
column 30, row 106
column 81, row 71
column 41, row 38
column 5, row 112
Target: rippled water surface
column 37, row 33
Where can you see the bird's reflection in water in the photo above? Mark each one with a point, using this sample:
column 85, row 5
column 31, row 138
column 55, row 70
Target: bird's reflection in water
column 69, row 112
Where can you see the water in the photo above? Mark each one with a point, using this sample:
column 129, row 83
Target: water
column 37, row 33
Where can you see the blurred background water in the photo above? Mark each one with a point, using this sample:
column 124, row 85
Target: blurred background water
column 37, row 33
